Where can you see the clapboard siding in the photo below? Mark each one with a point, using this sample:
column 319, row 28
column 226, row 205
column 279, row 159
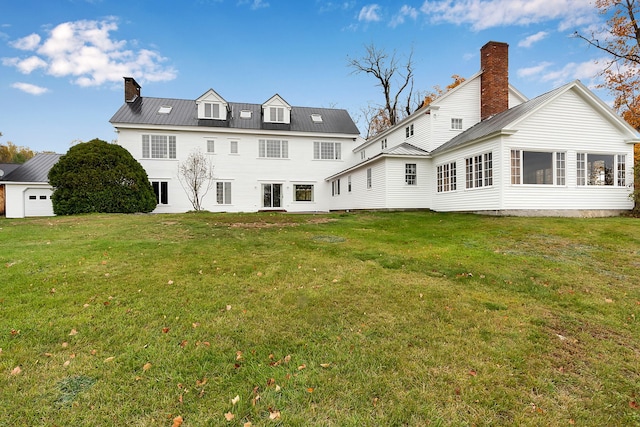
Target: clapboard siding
column 399, row 194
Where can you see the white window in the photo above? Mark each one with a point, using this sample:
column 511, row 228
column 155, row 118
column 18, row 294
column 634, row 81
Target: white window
column 212, row 110
column 368, row 177
column 362, row 155
column 538, row 167
column 456, row 123
column 223, row 193
column 211, row 146
column 349, row 183
column 326, row 150
column 383, row 143
column 233, row 147
column 446, row 177
column 161, row 190
column 245, row 114
column 316, row 118
column 601, row 169
column 271, row 195
column 479, row 171
column 158, row 147
column 276, row 114
column 335, row 187
column 410, row 174
column 409, row 130
column 165, row 109
column 273, row 148
column 303, row 192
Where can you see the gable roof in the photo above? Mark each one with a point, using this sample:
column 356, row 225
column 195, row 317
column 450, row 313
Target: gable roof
column 35, row 169
column 144, row 111
column 503, row 123
column 7, row 168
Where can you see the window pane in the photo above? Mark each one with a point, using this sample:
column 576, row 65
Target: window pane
column 145, row 146
column 600, row 169
column 621, row 170
column 211, row 146
column 164, row 192
column 515, row 166
column 537, row 168
column 233, row 147
column 304, row 193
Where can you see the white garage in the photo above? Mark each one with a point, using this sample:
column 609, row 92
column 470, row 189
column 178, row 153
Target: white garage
column 27, row 189
column 37, row 202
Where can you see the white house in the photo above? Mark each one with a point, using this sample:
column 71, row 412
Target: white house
column 269, row 156
column 27, row 189
column 481, row 147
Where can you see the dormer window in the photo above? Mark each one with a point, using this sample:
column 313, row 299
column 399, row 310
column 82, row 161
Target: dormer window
column 276, row 114
column 245, row 114
column 212, row 106
column 316, row 118
column 211, row 110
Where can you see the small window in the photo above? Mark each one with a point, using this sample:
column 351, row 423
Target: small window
column 211, row 110
column 335, row 187
column 32, row 197
column 363, row 155
column 43, row 197
column 316, row 118
column 383, row 144
column 233, row 147
column 409, row 131
column 164, row 109
column 369, row 178
column 245, row 114
column 410, row 174
column 276, row 114
column 456, row 124
column 349, row 183
column 211, row 146
column 303, row 192
column 161, row 190
column 223, row 193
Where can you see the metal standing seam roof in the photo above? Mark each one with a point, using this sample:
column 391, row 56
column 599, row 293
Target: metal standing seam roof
column 184, row 112
column 35, row 169
column 500, row 121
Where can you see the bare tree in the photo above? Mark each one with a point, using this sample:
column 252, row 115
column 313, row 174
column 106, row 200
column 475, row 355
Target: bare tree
column 196, row 177
column 392, row 77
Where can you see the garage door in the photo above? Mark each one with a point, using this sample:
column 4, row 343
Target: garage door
column 37, row 202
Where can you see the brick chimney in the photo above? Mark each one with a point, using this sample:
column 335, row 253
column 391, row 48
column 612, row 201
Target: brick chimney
column 131, row 89
column 494, row 81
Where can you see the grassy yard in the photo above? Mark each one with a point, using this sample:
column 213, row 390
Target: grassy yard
column 362, row 319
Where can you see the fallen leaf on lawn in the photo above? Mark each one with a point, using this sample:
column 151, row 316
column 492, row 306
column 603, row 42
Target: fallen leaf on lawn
column 72, row 356
column 238, row 355
column 109, row 359
column 634, row 405
column 73, row 332
column 259, row 274
column 52, row 291
column 16, row 370
column 310, row 390
column 94, row 352
column 48, row 355
column 146, row 366
column 228, row 307
column 65, row 344
column 235, row 400
column 67, row 363
column 301, row 367
column 170, row 282
column 201, row 382
column 229, row 416
column 325, row 365
column 375, row 401
column 287, row 358
column 273, row 414
column 165, row 330
column 609, row 300
column 247, row 424
column 473, row 373
column 180, row 399
column 184, row 343
column 177, row 421
column 278, row 388
column 15, row 332
column 271, row 381
column 195, row 324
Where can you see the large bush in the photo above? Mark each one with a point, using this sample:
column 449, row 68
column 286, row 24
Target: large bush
column 96, row 176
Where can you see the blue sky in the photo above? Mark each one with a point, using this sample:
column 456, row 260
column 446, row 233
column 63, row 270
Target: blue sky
column 62, row 61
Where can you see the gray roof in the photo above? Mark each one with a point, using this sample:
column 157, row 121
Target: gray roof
column 35, row 169
column 500, row 121
column 405, row 149
column 184, row 112
column 7, row 168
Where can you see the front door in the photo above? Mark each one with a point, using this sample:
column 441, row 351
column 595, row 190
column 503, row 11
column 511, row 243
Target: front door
column 271, row 195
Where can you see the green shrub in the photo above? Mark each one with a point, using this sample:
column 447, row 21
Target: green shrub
column 96, row 176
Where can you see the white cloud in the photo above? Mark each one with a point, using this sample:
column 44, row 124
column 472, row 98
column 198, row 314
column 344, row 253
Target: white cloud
column 534, row 38
column 29, row 42
column 536, row 70
column 405, row 11
column 85, row 51
column 587, row 70
column 483, row 14
column 30, row 89
column 370, row 13
column 258, row 4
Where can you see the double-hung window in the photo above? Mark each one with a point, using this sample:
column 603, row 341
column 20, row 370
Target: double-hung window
column 446, row 177
column 233, row 147
column 223, row 193
column 327, row 150
column 369, row 178
column 273, row 148
column 601, row 169
column 303, row 192
column 335, row 187
column 409, row 131
column 276, row 114
column 538, row 167
column 158, row 146
column 161, row 190
column 479, row 171
column 411, row 174
column 456, row 124
column 211, row 110
column 211, row 146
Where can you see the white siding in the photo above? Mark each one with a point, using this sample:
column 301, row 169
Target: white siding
column 18, row 204
column 399, row 194
column 245, row 170
column 567, row 125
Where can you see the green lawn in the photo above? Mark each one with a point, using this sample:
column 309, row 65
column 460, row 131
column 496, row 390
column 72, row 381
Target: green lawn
column 361, row 319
